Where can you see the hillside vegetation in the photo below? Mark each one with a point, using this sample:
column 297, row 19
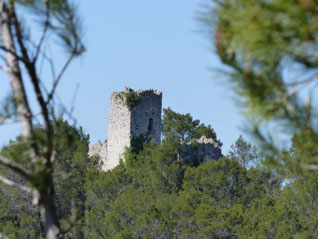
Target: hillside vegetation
column 154, row 194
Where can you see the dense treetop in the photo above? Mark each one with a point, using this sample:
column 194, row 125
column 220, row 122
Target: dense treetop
column 154, row 194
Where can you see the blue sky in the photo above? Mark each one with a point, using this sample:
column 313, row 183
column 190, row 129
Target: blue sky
column 144, row 44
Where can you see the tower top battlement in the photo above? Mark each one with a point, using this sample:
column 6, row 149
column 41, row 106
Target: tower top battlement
column 128, row 89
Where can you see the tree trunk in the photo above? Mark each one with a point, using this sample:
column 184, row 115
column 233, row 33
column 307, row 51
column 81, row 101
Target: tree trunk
column 14, row 72
column 48, row 212
column 46, row 200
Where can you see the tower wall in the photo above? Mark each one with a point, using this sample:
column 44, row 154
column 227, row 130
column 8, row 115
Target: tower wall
column 128, row 121
column 118, row 130
column 146, row 116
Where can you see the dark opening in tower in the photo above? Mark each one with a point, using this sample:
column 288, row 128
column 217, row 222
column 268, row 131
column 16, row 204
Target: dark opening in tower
column 150, row 125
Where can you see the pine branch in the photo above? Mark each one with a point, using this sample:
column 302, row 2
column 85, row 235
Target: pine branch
column 13, row 53
column 38, row 49
column 15, row 184
column 19, row 35
column 57, row 80
column 4, row 119
column 36, row 85
column 14, row 166
column 310, row 166
column 18, row 89
column 2, row 236
column 307, row 81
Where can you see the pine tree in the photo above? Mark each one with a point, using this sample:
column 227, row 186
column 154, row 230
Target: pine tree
column 20, row 51
column 270, row 49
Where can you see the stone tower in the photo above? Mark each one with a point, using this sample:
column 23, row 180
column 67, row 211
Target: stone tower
column 131, row 114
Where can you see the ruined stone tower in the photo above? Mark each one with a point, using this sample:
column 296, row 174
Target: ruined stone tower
column 131, row 114
column 134, row 113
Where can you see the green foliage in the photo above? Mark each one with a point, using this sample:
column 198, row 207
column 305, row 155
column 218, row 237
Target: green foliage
column 270, row 49
column 184, row 128
column 132, row 98
column 60, row 17
column 7, row 109
column 18, row 218
column 227, row 182
column 152, row 194
column 137, row 143
column 244, row 153
column 70, row 167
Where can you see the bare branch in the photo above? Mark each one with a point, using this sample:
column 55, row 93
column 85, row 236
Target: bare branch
column 13, row 53
column 18, row 89
column 299, row 85
column 36, row 85
column 2, row 236
column 20, row 36
column 52, row 66
column 64, row 109
column 45, row 57
column 310, row 166
column 57, row 80
column 14, row 166
column 73, row 100
column 4, row 118
column 38, row 49
column 12, row 183
column 307, row 81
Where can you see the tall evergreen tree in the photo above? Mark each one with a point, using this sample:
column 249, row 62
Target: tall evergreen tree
column 20, row 52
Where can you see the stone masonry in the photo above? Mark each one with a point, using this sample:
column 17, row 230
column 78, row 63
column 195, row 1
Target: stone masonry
column 201, row 150
column 142, row 117
column 134, row 113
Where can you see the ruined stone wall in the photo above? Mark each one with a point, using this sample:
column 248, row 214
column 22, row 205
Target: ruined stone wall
column 118, row 130
column 126, row 121
column 99, row 149
column 142, row 116
column 146, row 116
column 200, row 150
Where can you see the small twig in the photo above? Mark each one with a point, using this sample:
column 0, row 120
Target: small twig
column 2, row 236
column 19, row 35
column 57, row 80
column 52, row 67
column 73, row 100
column 307, row 81
column 13, row 53
column 49, row 59
column 38, row 49
column 309, row 166
column 46, row 58
column 65, row 110
column 301, row 85
column 3, row 120
column 14, row 166
column 12, row 183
